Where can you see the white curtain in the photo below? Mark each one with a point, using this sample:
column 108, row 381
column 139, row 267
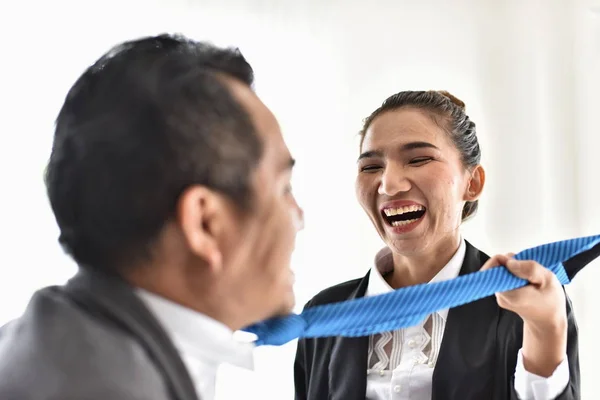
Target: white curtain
column 527, row 70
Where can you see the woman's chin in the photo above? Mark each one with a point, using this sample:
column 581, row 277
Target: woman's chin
column 408, row 245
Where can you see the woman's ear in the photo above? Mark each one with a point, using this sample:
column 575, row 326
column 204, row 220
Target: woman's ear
column 199, row 214
column 475, row 184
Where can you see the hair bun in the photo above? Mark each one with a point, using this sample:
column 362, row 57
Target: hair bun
column 453, row 99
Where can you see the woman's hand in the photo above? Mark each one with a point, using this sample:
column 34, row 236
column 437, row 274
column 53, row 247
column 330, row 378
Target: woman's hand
column 542, row 306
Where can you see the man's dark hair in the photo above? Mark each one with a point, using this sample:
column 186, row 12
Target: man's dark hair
column 150, row 118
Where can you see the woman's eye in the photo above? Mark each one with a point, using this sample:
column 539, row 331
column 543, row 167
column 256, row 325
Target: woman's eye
column 370, row 168
column 420, row 160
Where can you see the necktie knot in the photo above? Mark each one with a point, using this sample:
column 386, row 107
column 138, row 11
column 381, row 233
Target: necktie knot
column 280, row 330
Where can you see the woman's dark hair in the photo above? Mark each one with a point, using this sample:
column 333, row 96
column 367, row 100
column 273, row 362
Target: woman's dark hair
column 447, row 111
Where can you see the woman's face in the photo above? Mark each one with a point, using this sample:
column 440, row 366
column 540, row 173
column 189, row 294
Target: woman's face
column 411, row 181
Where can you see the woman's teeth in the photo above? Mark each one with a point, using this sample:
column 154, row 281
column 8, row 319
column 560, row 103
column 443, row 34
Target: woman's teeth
column 402, row 216
column 398, row 211
column 405, row 222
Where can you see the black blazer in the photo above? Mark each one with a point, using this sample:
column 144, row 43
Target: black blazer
column 92, row 338
column 477, row 358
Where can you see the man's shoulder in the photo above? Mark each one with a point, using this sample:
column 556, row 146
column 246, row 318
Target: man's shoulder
column 60, row 349
column 333, row 294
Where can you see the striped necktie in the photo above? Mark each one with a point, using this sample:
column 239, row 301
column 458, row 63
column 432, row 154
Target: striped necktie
column 408, row 306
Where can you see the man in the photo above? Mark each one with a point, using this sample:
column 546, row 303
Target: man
column 170, row 183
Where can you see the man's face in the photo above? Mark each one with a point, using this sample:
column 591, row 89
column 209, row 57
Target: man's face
column 261, row 281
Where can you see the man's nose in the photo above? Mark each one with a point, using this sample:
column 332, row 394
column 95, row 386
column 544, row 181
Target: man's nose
column 393, row 181
column 299, row 219
column 297, row 216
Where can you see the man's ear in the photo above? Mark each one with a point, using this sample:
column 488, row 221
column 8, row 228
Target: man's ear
column 200, row 213
column 476, row 184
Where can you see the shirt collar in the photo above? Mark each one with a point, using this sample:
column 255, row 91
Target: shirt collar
column 383, row 264
column 198, row 335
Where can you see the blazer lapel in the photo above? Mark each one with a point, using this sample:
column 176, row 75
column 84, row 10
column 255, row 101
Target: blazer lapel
column 465, row 366
column 112, row 299
column 348, row 363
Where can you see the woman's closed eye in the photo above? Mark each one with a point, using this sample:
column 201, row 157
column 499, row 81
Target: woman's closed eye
column 370, row 168
column 420, row 160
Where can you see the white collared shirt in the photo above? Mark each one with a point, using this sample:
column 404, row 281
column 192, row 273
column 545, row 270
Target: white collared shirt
column 401, row 363
column 203, row 343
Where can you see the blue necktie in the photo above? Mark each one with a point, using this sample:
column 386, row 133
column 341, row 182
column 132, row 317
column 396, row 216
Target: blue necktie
column 408, row 306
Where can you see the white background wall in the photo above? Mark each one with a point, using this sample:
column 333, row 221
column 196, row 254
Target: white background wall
column 527, row 70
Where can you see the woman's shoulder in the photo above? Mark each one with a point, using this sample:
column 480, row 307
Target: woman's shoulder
column 333, row 294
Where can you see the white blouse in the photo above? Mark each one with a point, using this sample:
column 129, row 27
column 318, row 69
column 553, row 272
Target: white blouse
column 401, row 363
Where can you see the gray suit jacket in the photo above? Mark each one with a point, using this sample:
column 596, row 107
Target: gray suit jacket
column 91, row 339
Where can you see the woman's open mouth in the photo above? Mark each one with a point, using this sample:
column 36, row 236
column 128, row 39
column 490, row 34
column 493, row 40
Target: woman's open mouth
column 403, row 217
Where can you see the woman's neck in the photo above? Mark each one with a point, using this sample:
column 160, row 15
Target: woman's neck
column 422, row 267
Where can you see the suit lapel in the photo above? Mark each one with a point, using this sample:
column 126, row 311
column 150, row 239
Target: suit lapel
column 576, row 264
column 348, row 363
column 113, row 300
column 465, row 366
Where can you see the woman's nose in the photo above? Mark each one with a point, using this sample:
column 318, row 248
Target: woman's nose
column 393, row 181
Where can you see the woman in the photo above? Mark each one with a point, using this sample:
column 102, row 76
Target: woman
column 418, row 178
